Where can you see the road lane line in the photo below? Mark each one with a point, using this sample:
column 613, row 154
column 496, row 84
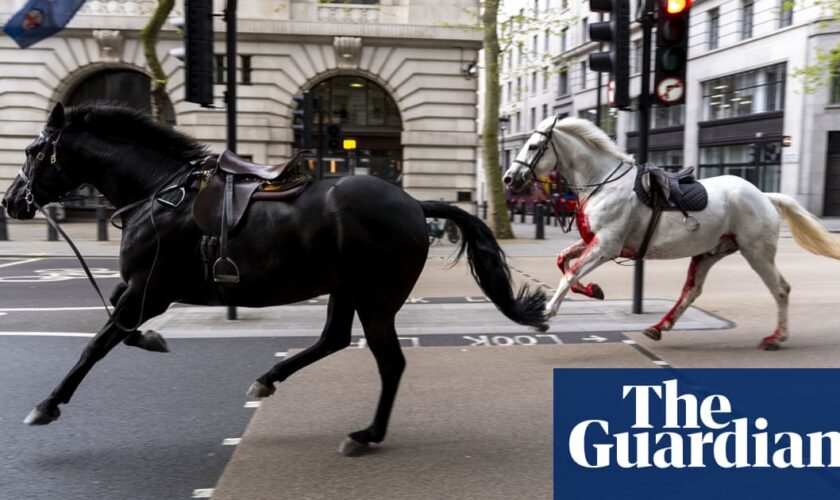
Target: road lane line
column 48, row 309
column 203, row 493
column 252, row 404
column 231, row 441
column 27, row 261
column 46, row 334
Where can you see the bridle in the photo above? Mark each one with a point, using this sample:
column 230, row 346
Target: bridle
column 51, row 138
column 544, row 146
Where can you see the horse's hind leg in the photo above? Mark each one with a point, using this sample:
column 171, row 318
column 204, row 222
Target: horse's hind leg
column 762, row 262
column 335, row 337
column 382, row 340
column 693, row 287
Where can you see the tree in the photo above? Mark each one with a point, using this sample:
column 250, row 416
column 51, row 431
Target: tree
column 827, row 66
column 495, row 44
column 149, row 37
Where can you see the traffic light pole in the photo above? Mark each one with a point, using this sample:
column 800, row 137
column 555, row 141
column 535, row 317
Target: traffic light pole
column 230, row 91
column 647, row 18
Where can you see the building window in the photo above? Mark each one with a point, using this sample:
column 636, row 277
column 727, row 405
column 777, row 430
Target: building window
column 518, row 121
column 564, row 4
column 545, row 111
column 636, row 61
column 509, row 91
column 564, row 40
column 785, row 13
column 583, row 75
column 609, row 118
column 714, row 28
column 545, row 78
column 535, row 45
column 750, row 92
column 584, row 33
column 747, row 19
column 246, row 69
column 669, row 159
column 563, row 81
column 759, row 163
column 546, row 40
column 536, row 7
column 518, row 87
column 533, row 83
column 533, row 118
column 667, row 116
column 220, row 69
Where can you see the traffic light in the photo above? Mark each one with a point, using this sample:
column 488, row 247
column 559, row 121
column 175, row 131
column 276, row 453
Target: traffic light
column 671, row 51
column 197, row 53
column 334, row 139
column 616, row 32
column 303, row 118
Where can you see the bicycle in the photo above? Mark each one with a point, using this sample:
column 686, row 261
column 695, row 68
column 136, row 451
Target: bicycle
column 437, row 232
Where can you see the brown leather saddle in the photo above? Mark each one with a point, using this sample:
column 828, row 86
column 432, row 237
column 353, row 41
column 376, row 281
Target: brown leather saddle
column 225, row 194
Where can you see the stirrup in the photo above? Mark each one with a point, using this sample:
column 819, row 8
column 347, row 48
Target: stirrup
column 225, row 271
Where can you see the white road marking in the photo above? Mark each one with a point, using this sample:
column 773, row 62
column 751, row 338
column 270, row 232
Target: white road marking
column 281, row 354
column 252, row 404
column 27, row 261
column 231, row 441
column 48, row 309
column 203, row 493
column 46, row 334
column 629, row 342
column 659, row 362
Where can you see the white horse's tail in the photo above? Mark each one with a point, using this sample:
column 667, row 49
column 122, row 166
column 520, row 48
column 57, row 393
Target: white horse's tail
column 807, row 231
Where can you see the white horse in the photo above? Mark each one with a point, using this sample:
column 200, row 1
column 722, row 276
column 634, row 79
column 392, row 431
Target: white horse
column 612, row 221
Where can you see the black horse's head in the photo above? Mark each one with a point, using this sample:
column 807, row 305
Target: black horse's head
column 42, row 178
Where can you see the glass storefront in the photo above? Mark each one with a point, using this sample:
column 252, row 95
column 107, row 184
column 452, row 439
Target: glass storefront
column 747, row 93
column 758, row 162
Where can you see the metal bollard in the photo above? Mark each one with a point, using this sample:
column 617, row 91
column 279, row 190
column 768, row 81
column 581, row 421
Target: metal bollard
column 522, row 212
column 484, row 210
column 101, row 223
column 512, row 212
column 539, row 221
column 231, row 313
column 4, row 234
column 52, row 235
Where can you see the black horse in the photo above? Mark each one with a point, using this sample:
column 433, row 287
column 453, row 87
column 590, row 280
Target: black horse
column 359, row 239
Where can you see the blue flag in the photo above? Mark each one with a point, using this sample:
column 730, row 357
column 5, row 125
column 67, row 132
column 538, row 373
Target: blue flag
column 40, row 19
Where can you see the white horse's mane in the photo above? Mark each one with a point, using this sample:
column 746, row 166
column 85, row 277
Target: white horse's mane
column 593, row 136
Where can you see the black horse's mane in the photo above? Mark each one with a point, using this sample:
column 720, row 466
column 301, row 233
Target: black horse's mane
column 111, row 120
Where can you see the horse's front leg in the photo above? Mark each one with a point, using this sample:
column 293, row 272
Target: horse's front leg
column 126, row 314
column 570, row 253
column 149, row 340
column 593, row 255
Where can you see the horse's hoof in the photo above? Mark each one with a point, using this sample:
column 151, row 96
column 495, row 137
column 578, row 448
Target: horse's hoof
column 769, row 345
column 352, row 448
column 42, row 416
column 153, row 341
column 260, row 390
column 652, row 333
column 596, row 292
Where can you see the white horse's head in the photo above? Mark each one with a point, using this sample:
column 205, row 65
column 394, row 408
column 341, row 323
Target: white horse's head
column 575, row 147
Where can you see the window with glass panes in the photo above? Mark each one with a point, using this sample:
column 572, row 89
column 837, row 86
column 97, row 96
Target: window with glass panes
column 747, row 8
column 747, row 93
column 762, row 168
column 714, row 28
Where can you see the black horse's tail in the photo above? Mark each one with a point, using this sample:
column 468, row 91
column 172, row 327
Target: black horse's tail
column 489, row 268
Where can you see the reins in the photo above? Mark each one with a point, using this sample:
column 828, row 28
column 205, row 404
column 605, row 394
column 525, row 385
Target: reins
column 165, row 187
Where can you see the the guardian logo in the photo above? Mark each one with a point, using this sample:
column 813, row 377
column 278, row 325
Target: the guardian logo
column 693, row 430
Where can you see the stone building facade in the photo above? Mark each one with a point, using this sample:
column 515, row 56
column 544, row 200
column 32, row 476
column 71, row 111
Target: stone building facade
column 397, row 71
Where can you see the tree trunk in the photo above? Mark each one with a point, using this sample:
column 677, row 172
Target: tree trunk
column 497, row 208
column 149, row 37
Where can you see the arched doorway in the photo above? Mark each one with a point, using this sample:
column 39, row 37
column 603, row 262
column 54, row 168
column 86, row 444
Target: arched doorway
column 355, row 108
column 127, row 87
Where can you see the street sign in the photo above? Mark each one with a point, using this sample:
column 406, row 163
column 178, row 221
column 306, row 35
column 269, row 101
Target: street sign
column 670, row 90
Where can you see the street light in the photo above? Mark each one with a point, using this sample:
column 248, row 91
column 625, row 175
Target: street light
column 504, row 121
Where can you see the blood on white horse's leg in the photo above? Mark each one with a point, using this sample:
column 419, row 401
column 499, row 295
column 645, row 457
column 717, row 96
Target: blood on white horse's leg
column 591, row 290
column 591, row 257
column 693, row 287
column 763, row 264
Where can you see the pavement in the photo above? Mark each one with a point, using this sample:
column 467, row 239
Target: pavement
column 473, row 419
